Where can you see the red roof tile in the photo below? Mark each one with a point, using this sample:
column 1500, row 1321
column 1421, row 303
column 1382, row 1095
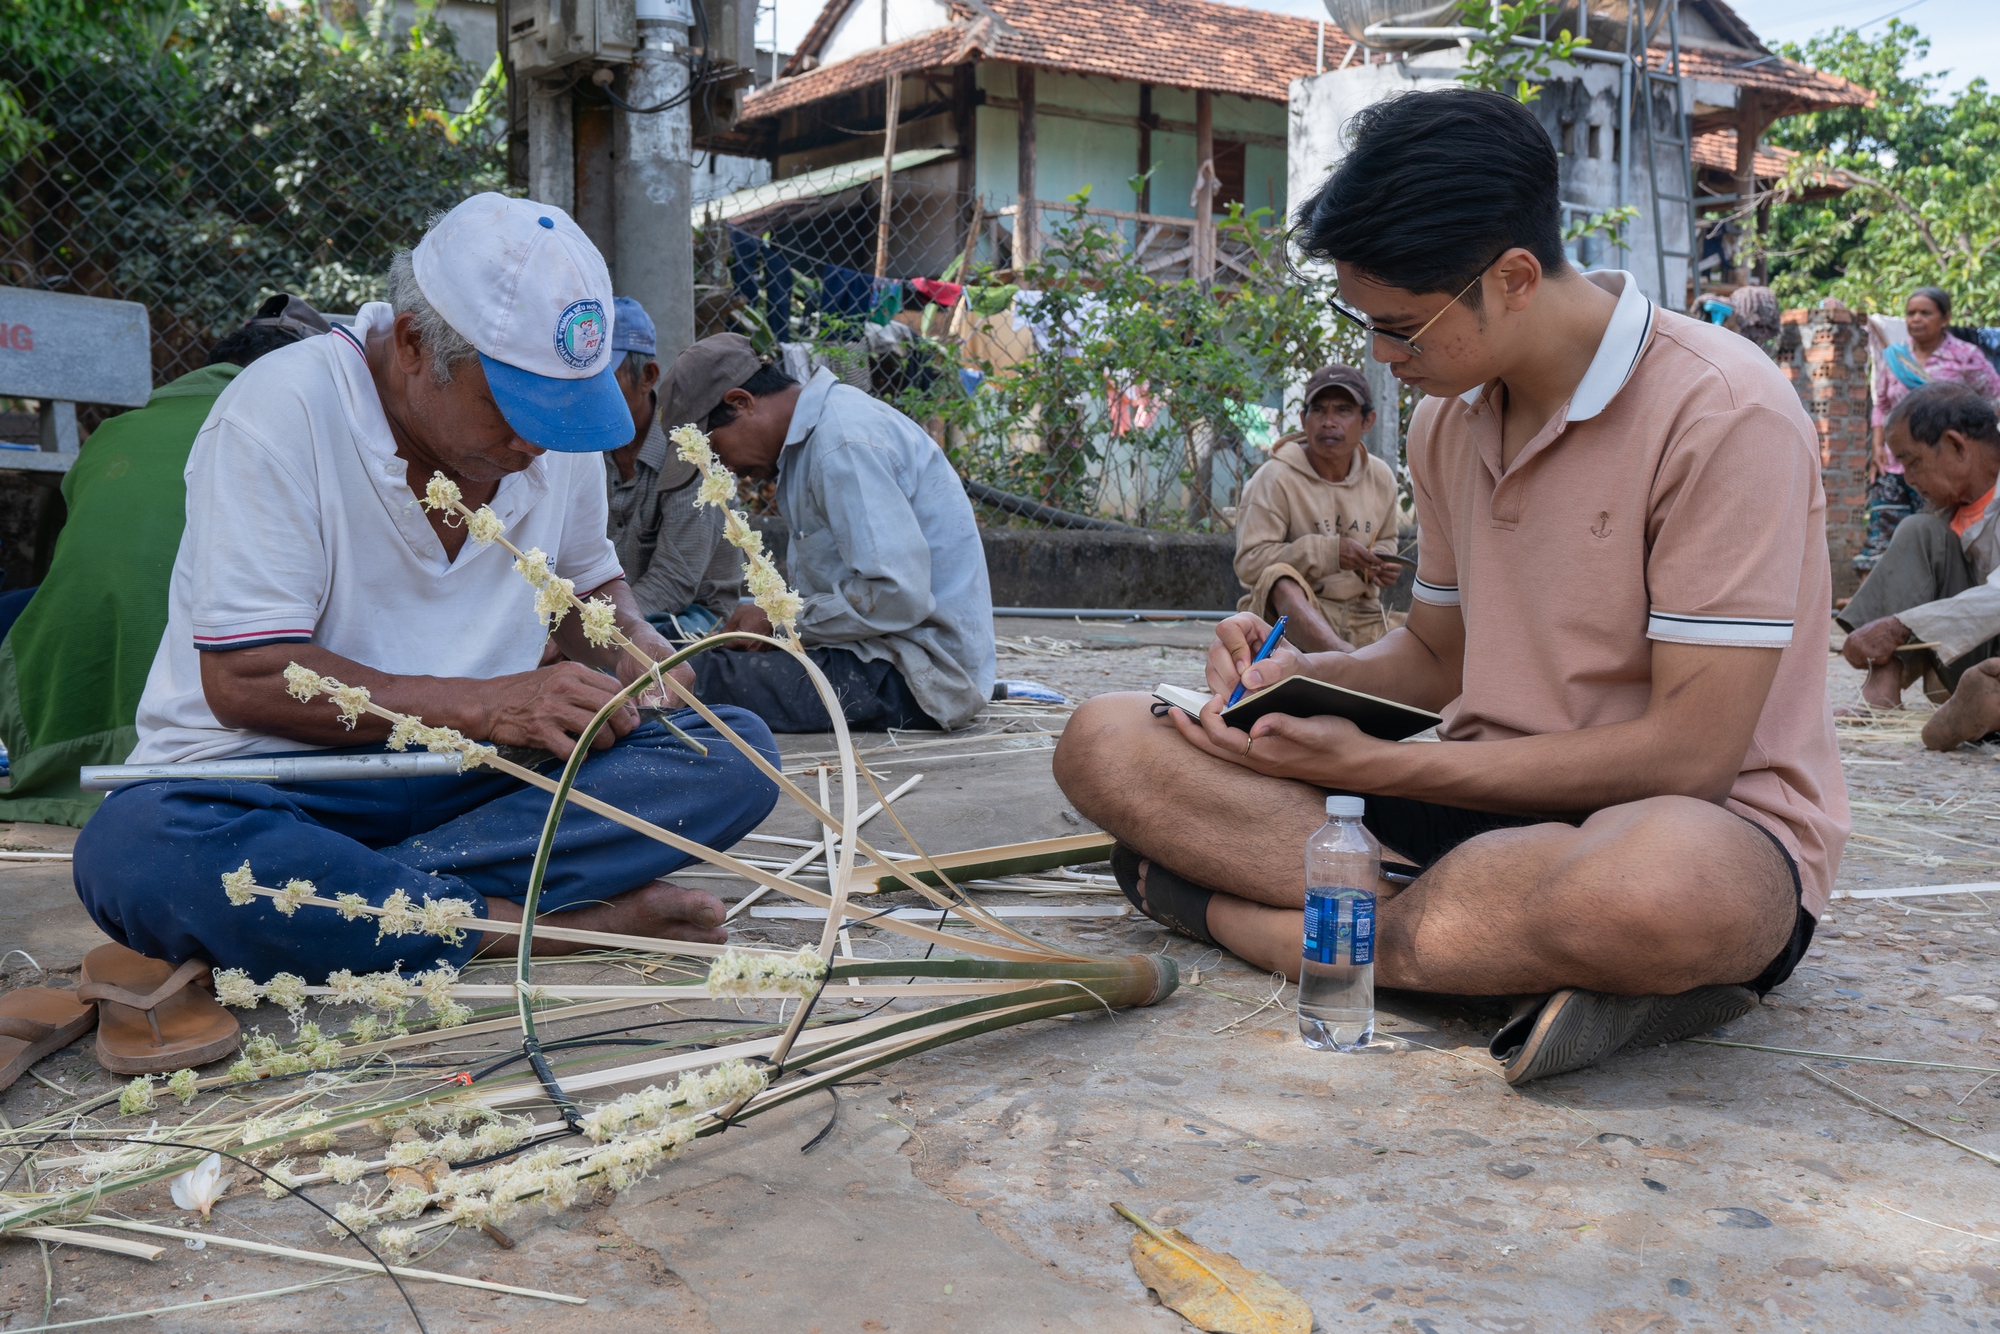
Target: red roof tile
column 1716, row 151
column 1195, row 44
column 1797, row 88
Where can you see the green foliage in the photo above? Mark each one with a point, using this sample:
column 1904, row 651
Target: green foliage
column 1610, row 223
column 1500, row 64
column 198, row 157
column 1925, row 203
column 1201, row 356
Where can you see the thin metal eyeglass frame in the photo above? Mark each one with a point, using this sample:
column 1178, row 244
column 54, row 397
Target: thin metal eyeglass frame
column 1361, row 322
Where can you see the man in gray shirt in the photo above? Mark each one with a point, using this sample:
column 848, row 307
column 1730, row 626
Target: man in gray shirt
column 883, row 548
column 685, row 577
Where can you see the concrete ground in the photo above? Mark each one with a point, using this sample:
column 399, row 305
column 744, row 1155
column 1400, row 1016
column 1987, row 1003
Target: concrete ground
column 1693, row 1187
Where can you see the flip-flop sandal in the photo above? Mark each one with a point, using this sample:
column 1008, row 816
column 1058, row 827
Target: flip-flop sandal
column 35, row 1021
column 153, row 1018
column 1177, row 904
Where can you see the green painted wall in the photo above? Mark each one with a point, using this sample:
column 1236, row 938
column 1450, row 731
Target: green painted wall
column 1071, row 153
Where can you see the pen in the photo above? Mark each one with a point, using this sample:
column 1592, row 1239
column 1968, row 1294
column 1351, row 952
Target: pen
column 1277, row 633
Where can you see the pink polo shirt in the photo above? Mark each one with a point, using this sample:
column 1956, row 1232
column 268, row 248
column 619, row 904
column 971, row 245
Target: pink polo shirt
column 1676, row 497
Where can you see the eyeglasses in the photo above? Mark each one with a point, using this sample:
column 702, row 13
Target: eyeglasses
column 1408, row 342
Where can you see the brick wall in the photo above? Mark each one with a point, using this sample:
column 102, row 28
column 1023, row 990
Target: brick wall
column 1825, row 355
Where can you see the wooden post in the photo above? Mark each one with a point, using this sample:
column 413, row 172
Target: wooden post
column 965, row 123
column 1751, row 122
column 1025, row 220
column 895, row 89
column 1146, row 118
column 1204, row 188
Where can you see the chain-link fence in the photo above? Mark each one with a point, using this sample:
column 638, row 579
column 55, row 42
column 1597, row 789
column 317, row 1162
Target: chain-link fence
column 201, row 161
column 1042, row 398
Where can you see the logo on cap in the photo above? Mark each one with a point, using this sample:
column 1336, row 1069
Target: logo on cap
column 580, row 333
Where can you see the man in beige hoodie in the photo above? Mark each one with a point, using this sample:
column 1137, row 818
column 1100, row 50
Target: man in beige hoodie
column 1316, row 522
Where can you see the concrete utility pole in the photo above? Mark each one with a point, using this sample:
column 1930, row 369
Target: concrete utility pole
column 606, row 87
column 651, row 191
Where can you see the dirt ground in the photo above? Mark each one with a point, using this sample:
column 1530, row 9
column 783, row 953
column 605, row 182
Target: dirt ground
column 1697, row 1187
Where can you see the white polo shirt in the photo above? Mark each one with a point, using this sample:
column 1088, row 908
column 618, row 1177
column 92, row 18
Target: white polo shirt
column 301, row 528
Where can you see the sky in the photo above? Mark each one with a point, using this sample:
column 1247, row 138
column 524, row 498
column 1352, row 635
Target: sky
column 1965, row 34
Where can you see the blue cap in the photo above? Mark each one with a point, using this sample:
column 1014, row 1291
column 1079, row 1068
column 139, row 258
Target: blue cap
column 568, row 416
column 632, row 328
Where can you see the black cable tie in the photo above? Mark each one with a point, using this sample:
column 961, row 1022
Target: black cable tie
column 571, row 1117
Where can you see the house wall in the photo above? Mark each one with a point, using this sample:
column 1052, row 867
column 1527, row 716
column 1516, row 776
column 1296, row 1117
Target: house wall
column 1071, row 152
column 1322, row 104
column 860, row 29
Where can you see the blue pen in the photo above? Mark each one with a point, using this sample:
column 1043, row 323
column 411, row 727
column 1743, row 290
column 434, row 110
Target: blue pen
column 1277, row 633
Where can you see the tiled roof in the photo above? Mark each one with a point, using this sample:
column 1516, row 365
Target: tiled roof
column 1796, row 88
column 1716, row 151
column 1195, row 44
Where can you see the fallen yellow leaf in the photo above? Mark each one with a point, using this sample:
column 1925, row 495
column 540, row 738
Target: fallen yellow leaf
column 1212, row 1290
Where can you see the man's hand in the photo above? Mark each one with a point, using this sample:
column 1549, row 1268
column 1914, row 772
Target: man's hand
column 750, row 619
column 1874, row 643
column 1328, row 751
column 1384, row 573
column 548, row 707
column 1236, row 643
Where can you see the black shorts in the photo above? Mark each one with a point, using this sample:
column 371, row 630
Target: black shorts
column 1424, row 832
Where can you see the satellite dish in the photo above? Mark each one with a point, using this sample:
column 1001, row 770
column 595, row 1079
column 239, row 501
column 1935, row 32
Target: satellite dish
column 1354, row 17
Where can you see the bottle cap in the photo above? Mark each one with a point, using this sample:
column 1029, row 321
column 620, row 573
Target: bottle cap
column 1346, row 808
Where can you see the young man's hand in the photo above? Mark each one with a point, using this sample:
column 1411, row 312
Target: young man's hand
column 1327, row 751
column 1874, row 643
column 1236, row 643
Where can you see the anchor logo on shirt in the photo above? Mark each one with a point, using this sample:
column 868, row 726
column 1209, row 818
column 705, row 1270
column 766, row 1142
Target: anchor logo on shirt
column 1602, row 528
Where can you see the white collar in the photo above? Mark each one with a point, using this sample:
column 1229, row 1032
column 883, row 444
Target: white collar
column 1617, row 352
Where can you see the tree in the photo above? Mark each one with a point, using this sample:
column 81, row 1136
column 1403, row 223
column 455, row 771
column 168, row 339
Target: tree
column 1923, row 205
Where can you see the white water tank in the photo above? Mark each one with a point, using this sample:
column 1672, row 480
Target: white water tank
column 1354, row 17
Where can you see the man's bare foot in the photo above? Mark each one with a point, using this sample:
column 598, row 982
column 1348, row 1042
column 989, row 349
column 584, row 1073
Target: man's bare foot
column 1884, row 687
column 662, row 910
column 1972, row 712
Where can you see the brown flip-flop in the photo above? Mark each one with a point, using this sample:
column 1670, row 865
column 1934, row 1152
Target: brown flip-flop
column 35, row 1021
column 154, row 1018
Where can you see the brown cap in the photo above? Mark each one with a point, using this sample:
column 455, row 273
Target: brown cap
column 1340, row 377
column 694, row 385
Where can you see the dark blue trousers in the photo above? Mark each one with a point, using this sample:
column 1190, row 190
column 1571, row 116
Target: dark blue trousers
column 149, row 864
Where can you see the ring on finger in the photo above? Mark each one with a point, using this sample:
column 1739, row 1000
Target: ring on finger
column 1246, row 747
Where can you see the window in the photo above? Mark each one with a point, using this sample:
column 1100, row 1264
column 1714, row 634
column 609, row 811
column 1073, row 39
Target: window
column 1597, row 141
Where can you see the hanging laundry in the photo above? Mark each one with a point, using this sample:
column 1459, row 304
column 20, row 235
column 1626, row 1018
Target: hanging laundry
column 763, row 278
column 1130, row 408
column 943, row 294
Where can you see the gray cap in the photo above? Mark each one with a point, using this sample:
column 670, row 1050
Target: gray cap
column 287, row 312
column 695, row 383
column 1341, row 377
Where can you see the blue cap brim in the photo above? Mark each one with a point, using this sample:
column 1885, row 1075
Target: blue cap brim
column 569, row 416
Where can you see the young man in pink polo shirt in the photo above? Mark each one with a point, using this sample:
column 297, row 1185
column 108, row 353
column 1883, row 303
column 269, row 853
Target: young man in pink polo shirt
column 1635, row 810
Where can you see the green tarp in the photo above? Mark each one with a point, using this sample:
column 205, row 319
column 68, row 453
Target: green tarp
column 73, row 667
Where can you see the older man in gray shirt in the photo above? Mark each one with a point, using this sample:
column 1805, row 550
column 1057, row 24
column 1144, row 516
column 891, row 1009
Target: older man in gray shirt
column 883, row 548
column 686, row 578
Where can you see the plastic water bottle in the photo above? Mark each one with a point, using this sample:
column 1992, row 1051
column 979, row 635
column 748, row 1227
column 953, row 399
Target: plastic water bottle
column 1337, row 974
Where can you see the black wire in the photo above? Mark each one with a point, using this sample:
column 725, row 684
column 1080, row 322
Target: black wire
column 293, row 1191
column 831, row 1122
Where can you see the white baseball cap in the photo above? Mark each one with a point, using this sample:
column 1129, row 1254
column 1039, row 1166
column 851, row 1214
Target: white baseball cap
column 523, row 284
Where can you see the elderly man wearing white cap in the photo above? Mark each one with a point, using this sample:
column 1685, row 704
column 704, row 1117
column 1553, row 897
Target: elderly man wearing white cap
column 491, row 363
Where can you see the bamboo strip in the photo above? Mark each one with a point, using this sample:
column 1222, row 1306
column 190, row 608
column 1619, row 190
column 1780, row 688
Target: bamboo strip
column 698, row 992
column 323, row 1258
column 64, row 1236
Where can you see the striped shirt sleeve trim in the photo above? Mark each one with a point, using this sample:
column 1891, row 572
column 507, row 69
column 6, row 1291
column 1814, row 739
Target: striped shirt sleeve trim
column 252, row 639
column 1738, row 630
column 1436, row 595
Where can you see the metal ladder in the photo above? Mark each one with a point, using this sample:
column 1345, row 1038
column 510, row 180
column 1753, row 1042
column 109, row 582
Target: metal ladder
column 1679, row 188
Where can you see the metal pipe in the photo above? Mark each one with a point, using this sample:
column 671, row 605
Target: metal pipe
column 1459, row 33
column 271, row 769
column 1035, row 509
column 1103, row 614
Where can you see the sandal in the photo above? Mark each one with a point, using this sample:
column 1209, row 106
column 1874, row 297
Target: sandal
column 1177, row 904
column 35, row 1021
column 154, row 1018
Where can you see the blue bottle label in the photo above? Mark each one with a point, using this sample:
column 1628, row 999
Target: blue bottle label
column 1340, row 926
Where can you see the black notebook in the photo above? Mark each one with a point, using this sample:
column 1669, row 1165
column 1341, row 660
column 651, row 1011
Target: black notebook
column 1305, row 697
